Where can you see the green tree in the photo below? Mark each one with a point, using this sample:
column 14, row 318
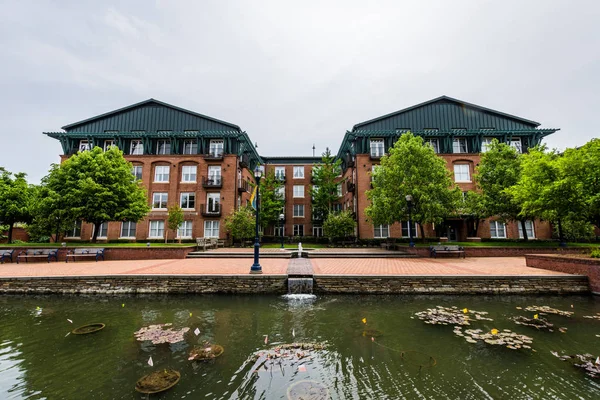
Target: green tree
column 545, row 191
column 498, row 172
column 174, row 220
column 15, row 197
column 339, row 225
column 324, row 191
column 412, row 168
column 241, row 223
column 49, row 211
column 97, row 186
column 271, row 200
column 474, row 210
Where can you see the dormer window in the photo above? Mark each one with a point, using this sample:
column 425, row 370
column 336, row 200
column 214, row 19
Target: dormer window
column 163, row 146
column 377, row 148
column 433, row 143
column 216, row 148
column 459, row 145
column 515, row 143
column 136, row 147
column 84, row 145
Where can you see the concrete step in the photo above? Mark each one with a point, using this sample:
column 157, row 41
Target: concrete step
column 202, row 254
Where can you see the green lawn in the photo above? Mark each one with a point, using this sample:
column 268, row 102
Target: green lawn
column 78, row 244
column 531, row 243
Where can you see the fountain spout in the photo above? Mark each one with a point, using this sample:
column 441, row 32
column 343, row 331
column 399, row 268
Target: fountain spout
column 299, row 247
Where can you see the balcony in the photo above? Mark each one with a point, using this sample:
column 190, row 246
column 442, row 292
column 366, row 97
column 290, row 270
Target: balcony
column 215, row 155
column 244, row 161
column 350, row 187
column 349, row 161
column 212, row 182
column 376, row 155
column 212, row 211
column 243, row 187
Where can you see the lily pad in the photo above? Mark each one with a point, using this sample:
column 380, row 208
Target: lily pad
column 451, row 316
column 585, row 362
column 506, row 338
column 161, row 333
column 89, row 328
column 549, row 310
column 538, row 323
column 158, row 381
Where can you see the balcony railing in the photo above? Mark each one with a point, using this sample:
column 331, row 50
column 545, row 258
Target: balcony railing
column 213, row 210
column 350, row 187
column 243, row 187
column 214, row 155
column 212, row 182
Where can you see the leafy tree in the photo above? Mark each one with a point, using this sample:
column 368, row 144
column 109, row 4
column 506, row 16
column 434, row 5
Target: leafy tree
column 499, row 170
column 271, row 201
column 50, row 215
column 412, row 168
column 174, row 220
column 544, row 190
column 474, row 209
column 339, row 225
column 15, row 196
column 324, row 191
column 97, row 186
column 241, row 223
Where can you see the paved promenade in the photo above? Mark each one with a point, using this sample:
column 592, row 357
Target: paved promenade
column 505, row 266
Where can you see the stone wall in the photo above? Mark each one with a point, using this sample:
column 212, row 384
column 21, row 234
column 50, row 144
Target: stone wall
column 451, row 285
column 571, row 265
column 176, row 284
column 494, row 251
column 123, row 253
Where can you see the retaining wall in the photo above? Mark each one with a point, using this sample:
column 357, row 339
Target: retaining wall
column 571, row 265
column 501, row 251
column 121, row 253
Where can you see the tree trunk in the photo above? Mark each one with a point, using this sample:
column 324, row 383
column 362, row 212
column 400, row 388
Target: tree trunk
column 166, row 235
column 477, row 221
column 96, row 228
column 561, row 237
column 422, row 232
column 10, row 232
column 524, row 230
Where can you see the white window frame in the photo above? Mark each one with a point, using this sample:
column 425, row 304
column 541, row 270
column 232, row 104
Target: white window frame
column 136, row 147
column 216, row 201
column 381, row 231
column 297, row 228
column 339, row 190
column 216, row 147
column 279, row 231
column 189, row 173
column 462, row 173
column 460, row 145
column 494, row 229
column 188, row 196
column 126, row 228
column 73, row 232
column 161, row 173
column 103, row 227
column 209, row 229
column 135, row 169
column 108, row 143
column 414, row 229
column 298, row 192
column 377, row 147
column 190, row 146
column 298, row 210
column 280, row 192
column 317, row 231
column 163, row 147
column 280, row 173
column 435, row 143
column 530, row 229
column 516, row 144
column 299, row 172
column 156, row 229
column 162, row 198
column 184, row 231
column 84, row 145
column 486, row 143
column 214, row 174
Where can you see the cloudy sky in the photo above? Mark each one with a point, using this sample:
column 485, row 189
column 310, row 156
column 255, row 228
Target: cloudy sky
column 292, row 73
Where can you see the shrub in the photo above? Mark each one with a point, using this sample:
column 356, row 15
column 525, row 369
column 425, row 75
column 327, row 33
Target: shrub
column 595, row 253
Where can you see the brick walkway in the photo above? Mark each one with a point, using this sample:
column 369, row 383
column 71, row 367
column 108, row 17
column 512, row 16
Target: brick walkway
column 322, row 266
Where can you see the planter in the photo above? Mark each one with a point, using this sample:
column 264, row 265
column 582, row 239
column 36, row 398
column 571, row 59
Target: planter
column 158, row 381
column 89, row 328
column 205, row 353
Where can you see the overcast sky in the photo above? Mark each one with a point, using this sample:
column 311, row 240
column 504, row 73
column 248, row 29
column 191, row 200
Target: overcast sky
column 292, row 75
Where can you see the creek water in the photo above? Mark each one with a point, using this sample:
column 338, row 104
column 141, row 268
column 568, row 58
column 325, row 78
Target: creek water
column 39, row 359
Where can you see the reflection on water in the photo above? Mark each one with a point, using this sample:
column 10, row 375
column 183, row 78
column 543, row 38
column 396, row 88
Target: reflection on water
column 39, row 360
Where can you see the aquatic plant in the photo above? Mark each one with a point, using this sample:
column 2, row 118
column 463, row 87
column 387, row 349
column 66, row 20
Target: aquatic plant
column 160, row 333
column 506, row 337
column 538, row 323
column 587, row 362
column 549, row 310
column 307, row 390
column 157, row 381
column 205, row 352
column 451, row 316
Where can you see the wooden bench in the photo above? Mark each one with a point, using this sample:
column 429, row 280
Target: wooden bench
column 206, row 243
column 81, row 252
column 48, row 254
column 388, row 245
column 434, row 251
column 6, row 255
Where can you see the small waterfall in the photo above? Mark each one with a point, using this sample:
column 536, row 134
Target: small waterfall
column 300, row 285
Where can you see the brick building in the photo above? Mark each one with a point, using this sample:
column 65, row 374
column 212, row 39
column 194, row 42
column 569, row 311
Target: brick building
column 205, row 165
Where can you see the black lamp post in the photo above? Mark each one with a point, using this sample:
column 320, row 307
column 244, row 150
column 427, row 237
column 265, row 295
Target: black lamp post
column 256, row 268
column 281, row 218
column 409, row 203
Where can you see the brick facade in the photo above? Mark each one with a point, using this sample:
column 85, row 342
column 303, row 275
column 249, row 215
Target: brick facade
column 581, row 265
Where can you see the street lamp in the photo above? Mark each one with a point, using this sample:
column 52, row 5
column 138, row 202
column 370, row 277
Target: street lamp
column 256, row 268
column 281, row 218
column 409, row 203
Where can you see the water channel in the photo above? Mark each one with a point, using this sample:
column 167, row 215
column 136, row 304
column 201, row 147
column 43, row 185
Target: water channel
column 39, row 359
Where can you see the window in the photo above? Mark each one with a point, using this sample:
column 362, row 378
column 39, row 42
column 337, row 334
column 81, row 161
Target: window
column 298, row 172
column 190, row 146
column 459, row 145
column 433, row 143
column 497, row 230
column 163, row 146
column 84, row 145
column 409, row 230
column 159, row 201
column 137, row 171
column 108, row 144
column 279, row 231
column 280, row 192
column 339, row 190
column 216, row 148
column 377, row 148
column 298, row 230
column 76, row 231
column 317, row 231
column 188, row 173
column 461, row 173
column 381, row 231
column 298, row 210
column 336, row 207
column 280, row 173
column 214, row 174
column 528, row 228
column 298, row 191
column 136, row 147
column 486, row 142
column 128, row 229
column 102, row 232
column 515, row 143
column 211, row 229
column 213, row 200
column 188, row 200
column 185, row 230
column 315, row 190
column 161, row 173
column 157, row 229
